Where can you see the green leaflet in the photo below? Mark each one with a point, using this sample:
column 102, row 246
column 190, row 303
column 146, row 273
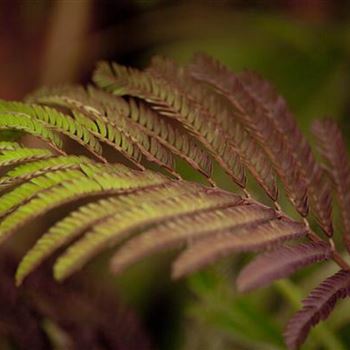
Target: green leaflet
column 57, row 192
column 111, row 119
column 24, row 192
column 22, row 155
column 120, row 226
column 107, row 121
column 186, row 229
column 87, row 216
column 112, row 136
column 20, row 121
column 9, row 146
column 34, row 169
column 51, row 118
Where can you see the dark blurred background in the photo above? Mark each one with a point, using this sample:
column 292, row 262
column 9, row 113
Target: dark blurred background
column 302, row 46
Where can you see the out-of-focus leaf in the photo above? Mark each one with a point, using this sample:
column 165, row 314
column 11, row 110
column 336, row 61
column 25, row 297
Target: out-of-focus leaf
column 238, row 316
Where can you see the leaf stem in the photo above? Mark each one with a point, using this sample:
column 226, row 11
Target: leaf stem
column 337, row 258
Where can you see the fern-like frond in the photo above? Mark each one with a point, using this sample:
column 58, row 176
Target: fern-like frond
column 333, row 149
column 316, row 307
column 28, row 171
column 26, row 191
column 172, row 136
column 22, row 155
column 108, row 120
column 21, row 122
column 187, row 229
column 112, row 136
column 200, row 113
column 171, row 102
column 9, row 146
column 85, row 217
column 251, row 155
column 88, row 182
column 256, row 120
column 318, row 189
column 281, row 263
column 254, row 238
column 122, row 225
column 53, row 119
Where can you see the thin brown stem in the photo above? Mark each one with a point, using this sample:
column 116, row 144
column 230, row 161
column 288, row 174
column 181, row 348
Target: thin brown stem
column 247, row 194
column 332, row 244
column 212, row 183
column 337, row 258
column 277, row 206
